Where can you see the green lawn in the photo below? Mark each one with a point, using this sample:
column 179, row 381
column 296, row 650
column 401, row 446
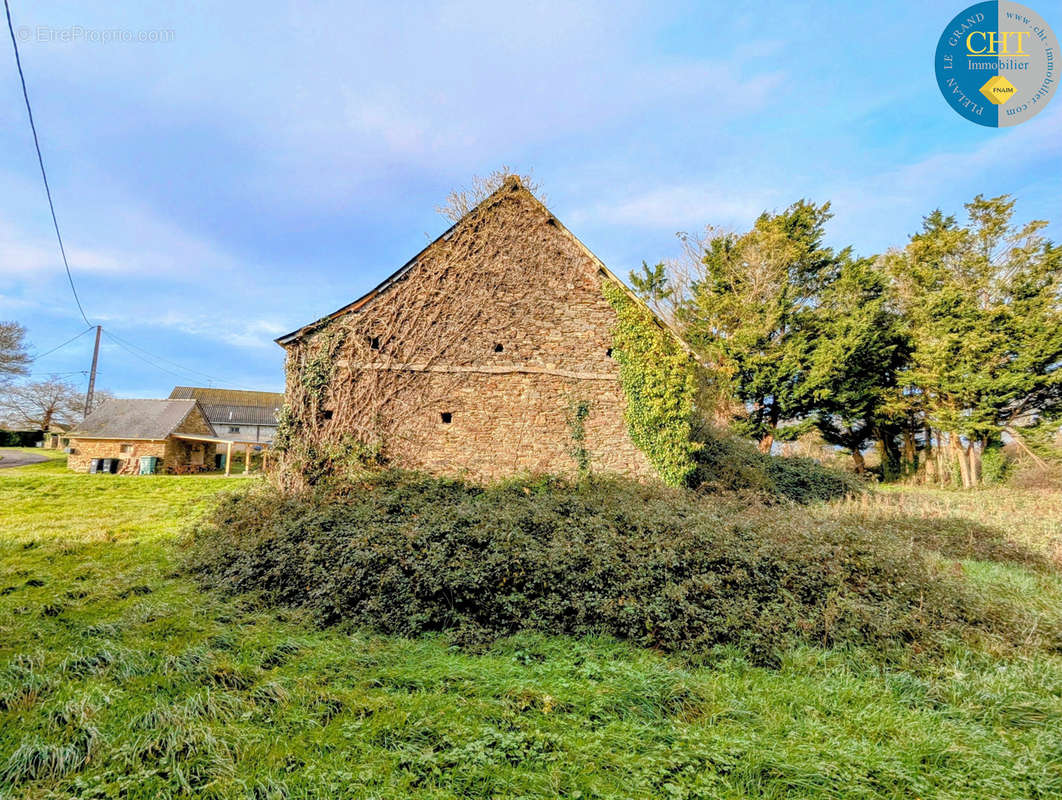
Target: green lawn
column 119, row 678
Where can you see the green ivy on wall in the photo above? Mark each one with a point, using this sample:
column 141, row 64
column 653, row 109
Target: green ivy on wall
column 660, row 382
column 320, row 365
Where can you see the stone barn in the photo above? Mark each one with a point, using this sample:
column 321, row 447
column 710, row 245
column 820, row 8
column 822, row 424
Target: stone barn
column 488, row 354
column 176, row 432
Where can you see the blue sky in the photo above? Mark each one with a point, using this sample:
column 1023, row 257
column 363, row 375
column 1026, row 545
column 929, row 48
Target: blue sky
column 274, row 161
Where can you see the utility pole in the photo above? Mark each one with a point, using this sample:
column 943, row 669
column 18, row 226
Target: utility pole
column 92, row 374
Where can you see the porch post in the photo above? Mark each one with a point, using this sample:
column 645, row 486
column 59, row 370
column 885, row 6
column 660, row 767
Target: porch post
column 247, row 459
column 228, row 459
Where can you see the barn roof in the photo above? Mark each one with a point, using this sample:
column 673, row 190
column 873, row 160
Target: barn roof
column 134, row 419
column 511, row 184
column 233, row 406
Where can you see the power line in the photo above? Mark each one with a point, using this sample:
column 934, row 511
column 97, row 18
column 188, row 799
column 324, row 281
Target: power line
column 133, row 353
column 40, row 160
column 61, row 374
column 166, row 360
column 61, row 346
column 129, row 346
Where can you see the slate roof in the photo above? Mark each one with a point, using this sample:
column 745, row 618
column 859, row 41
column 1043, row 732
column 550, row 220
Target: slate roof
column 233, row 406
column 134, row 419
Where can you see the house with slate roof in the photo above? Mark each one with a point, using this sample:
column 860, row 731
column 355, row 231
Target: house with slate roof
column 115, row 436
column 237, row 415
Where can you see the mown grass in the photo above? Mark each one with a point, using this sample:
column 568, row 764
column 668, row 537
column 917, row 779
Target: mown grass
column 118, row 678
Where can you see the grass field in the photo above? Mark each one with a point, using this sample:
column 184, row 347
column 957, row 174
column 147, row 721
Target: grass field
column 118, row 678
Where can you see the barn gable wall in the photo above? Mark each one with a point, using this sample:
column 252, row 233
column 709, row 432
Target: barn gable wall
column 502, row 328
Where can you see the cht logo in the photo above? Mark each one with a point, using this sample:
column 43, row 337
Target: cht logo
column 997, row 63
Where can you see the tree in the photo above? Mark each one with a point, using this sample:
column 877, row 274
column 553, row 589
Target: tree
column 752, row 315
column 982, row 304
column 14, row 360
column 40, row 404
column 860, row 349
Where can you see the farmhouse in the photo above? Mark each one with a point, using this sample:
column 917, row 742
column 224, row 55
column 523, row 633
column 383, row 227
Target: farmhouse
column 237, row 415
column 120, row 432
column 486, row 355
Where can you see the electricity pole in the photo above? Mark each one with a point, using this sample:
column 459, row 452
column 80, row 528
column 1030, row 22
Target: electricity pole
column 92, row 374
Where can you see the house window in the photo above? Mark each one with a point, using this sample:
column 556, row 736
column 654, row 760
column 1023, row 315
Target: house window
column 234, row 429
column 126, row 449
column 498, row 348
column 374, row 342
column 447, row 417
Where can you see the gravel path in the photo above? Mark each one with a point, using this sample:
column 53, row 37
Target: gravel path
column 14, row 458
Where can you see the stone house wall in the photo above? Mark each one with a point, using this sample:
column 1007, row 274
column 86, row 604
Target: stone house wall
column 85, row 450
column 529, row 340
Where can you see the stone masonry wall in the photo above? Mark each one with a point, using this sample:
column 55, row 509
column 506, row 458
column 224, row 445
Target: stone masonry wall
column 85, row 450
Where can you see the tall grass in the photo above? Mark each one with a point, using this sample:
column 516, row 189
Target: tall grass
column 174, row 692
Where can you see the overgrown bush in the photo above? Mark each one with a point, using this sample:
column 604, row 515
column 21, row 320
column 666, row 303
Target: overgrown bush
column 995, row 466
column 725, row 462
column 406, row 554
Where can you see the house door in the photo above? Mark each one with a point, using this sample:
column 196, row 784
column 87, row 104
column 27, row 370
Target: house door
column 197, row 456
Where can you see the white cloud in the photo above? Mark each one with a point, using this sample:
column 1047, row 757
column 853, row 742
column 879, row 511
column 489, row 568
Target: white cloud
column 865, row 205
column 22, row 256
column 225, row 327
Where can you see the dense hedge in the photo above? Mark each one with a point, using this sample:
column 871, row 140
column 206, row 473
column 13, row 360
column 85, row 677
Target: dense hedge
column 668, row 569
column 20, row 438
column 727, row 463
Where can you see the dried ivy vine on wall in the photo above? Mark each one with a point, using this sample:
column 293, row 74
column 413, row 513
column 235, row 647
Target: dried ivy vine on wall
column 659, row 380
column 368, row 385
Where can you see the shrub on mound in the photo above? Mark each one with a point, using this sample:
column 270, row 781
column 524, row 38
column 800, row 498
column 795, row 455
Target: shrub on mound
column 728, row 463
column 406, row 554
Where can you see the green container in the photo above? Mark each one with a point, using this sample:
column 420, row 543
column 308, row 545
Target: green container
column 148, row 465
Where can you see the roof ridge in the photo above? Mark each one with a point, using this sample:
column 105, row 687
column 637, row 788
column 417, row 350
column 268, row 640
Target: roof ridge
column 511, row 182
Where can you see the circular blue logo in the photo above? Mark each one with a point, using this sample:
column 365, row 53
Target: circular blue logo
column 997, row 63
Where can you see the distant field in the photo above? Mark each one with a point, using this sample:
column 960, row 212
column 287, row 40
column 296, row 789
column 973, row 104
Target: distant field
column 119, row 678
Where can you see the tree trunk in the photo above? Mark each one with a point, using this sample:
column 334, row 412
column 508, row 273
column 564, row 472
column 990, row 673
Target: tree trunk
column 942, row 474
column 767, row 442
column 859, row 462
column 890, row 455
column 974, row 454
column 929, row 458
column 962, row 457
column 910, row 453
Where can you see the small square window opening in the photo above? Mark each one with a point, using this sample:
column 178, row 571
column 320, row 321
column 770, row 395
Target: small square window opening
column 447, row 417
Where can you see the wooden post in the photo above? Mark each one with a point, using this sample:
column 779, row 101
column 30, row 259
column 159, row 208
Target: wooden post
column 265, row 460
column 247, row 457
column 92, row 373
column 228, row 459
